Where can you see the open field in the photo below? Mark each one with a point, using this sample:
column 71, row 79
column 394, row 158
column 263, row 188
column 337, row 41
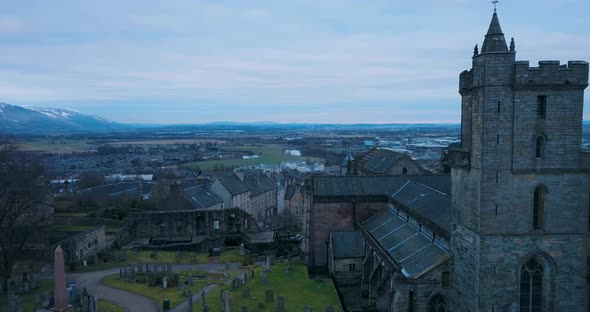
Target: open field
column 166, row 142
column 56, row 145
column 268, row 154
column 297, row 289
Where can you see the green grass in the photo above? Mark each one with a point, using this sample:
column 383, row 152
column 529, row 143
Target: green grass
column 105, row 306
column 83, row 228
column 268, row 154
column 164, row 257
column 297, row 289
column 174, row 294
column 28, row 299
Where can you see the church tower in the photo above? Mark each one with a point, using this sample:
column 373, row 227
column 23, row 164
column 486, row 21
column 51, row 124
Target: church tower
column 521, row 184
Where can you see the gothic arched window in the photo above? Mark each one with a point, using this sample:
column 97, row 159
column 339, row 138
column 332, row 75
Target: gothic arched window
column 538, row 206
column 531, row 286
column 437, row 304
column 539, row 146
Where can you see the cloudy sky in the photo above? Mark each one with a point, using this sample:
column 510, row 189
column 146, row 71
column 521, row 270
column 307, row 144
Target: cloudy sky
column 335, row 61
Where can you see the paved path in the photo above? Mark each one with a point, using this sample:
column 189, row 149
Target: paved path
column 133, row 302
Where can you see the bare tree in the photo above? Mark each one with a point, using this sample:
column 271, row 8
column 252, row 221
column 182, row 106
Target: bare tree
column 25, row 207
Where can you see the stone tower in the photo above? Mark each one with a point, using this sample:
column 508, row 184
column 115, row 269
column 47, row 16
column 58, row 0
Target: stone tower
column 521, row 184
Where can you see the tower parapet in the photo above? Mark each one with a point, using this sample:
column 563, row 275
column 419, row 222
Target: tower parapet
column 574, row 73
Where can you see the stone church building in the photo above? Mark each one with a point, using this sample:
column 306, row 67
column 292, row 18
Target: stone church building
column 509, row 231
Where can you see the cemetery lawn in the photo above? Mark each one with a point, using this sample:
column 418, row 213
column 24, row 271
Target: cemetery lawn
column 173, row 293
column 163, row 257
column 105, row 306
column 295, row 286
column 28, row 299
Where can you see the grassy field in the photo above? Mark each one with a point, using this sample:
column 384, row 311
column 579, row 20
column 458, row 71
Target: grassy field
column 28, row 299
column 166, row 142
column 105, row 306
column 175, row 295
column 268, row 154
column 56, row 145
column 297, row 289
column 164, row 257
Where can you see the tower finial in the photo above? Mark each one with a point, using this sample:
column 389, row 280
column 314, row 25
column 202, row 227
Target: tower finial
column 512, row 48
column 475, row 51
column 495, row 2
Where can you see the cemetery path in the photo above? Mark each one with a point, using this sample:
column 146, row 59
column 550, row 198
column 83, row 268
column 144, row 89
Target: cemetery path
column 133, row 302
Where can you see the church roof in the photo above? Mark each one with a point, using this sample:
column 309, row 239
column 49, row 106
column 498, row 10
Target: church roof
column 379, row 160
column 404, row 243
column 494, row 41
column 381, row 186
column 347, row 244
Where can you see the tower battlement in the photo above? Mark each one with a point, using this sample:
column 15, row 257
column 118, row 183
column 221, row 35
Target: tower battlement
column 466, row 80
column 551, row 73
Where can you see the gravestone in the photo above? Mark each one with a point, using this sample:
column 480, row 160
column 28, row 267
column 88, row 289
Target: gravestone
column 289, row 268
column 204, row 305
column 267, row 263
column 26, row 287
column 15, row 304
column 280, row 304
column 164, row 282
column 147, row 267
column 244, row 308
column 226, row 302
column 242, row 251
column 190, row 279
column 227, row 265
column 140, row 268
column 245, row 277
column 177, row 256
column 246, row 292
column 264, row 279
column 121, row 272
column 155, row 268
column 269, row 295
column 154, row 254
column 190, row 300
column 59, row 278
column 252, row 273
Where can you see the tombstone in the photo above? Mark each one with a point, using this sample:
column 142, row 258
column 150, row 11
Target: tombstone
column 190, row 300
column 242, row 251
column 164, row 282
column 181, row 286
column 140, row 268
column 246, row 292
column 280, row 304
column 214, row 252
column 289, row 268
column 147, row 267
column 59, row 278
column 330, row 308
column 226, row 302
column 94, row 304
column 85, row 263
column 227, row 265
column 177, row 256
column 15, row 304
column 26, row 287
column 190, row 279
column 264, row 279
column 233, row 284
column 154, row 254
column 252, row 273
column 166, row 305
column 307, row 309
column 155, row 268
column 267, row 263
column 245, row 277
column 203, row 298
column 244, row 308
column 46, row 297
column 121, row 272
column 269, row 295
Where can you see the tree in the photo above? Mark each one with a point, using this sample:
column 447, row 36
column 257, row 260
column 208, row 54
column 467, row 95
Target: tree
column 25, row 207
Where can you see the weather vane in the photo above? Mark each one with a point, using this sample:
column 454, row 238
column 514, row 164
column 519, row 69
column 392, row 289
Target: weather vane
column 495, row 2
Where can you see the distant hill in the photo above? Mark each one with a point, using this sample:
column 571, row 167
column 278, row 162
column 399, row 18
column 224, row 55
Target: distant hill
column 25, row 120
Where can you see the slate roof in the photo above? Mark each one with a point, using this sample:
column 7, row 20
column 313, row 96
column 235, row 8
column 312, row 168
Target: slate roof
column 494, row 40
column 115, row 190
column 379, row 160
column 408, row 247
column 346, row 186
column 347, row 244
column 290, row 191
column 428, row 205
column 201, row 197
column 259, row 183
column 233, row 184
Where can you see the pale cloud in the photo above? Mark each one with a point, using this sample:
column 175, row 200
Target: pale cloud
column 379, row 61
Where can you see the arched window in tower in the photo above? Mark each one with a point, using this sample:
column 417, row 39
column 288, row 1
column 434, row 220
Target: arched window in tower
column 437, row 304
column 531, row 286
column 539, row 146
column 538, row 206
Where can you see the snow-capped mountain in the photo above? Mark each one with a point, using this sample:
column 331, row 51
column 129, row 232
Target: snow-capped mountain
column 21, row 119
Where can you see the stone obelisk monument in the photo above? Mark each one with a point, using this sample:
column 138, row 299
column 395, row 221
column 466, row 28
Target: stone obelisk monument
column 59, row 286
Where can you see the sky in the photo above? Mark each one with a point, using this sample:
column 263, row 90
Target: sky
column 324, row 61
